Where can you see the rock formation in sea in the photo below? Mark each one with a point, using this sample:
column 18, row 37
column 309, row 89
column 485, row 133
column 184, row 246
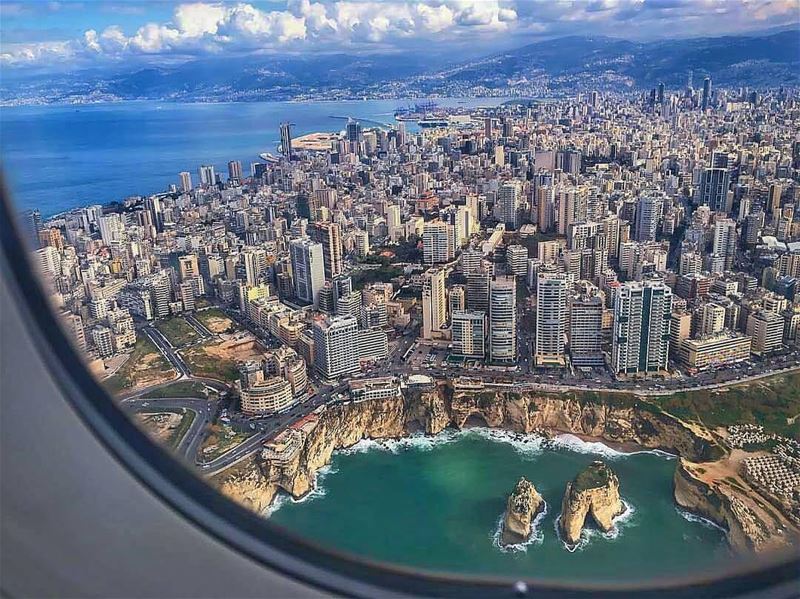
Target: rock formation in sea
column 254, row 482
column 595, row 492
column 523, row 505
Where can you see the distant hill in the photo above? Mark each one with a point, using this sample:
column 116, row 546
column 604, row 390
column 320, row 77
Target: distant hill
column 561, row 65
column 606, row 62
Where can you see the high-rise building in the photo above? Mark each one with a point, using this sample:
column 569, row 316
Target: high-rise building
column 469, row 333
column 434, row 303
column 336, row 346
column 457, row 298
column 713, row 192
column 437, row 242
column 185, row 181
column 725, row 240
column 308, row 269
column 478, row 291
column 517, row 260
column 648, row 215
column 642, row 313
column 235, row 171
column 766, row 329
column 551, row 319
column 207, row 175
column 706, row 101
column 503, row 320
column 286, row 139
column 330, row 236
column 586, row 329
column 509, row 199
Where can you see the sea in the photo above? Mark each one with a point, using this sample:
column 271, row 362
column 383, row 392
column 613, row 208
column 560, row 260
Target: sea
column 60, row 157
column 436, row 503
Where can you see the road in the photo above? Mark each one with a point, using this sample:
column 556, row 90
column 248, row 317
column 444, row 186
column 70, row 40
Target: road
column 203, row 409
column 198, row 326
column 166, row 349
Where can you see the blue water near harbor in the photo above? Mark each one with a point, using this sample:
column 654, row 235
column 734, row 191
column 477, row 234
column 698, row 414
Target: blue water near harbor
column 60, row 157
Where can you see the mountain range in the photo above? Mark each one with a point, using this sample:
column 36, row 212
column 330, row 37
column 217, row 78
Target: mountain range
column 551, row 67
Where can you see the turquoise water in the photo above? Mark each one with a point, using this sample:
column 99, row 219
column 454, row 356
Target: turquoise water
column 61, row 157
column 436, row 504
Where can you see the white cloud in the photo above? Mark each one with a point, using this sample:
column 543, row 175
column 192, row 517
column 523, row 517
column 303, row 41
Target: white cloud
column 211, row 27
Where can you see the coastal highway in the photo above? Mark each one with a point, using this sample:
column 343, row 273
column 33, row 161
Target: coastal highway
column 203, row 409
column 269, row 427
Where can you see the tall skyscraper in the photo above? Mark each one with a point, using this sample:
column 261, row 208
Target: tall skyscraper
column 330, row 236
column 503, row 320
column 648, row 215
column 586, row 329
column 714, row 185
column 509, row 199
column 336, row 346
column 640, row 342
column 469, row 333
column 551, row 319
column 286, row 139
column 725, row 240
column 478, row 291
column 706, row 102
column 235, row 171
column 434, row 303
column 437, row 242
column 308, row 269
column 185, row 181
column 207, row 175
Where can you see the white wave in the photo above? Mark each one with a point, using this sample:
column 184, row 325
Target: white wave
column 527, row 445
column 317, row 491
column 697, row 519
column 576, row 444
column 419, row 441
column 536, row 538
column 618, row 523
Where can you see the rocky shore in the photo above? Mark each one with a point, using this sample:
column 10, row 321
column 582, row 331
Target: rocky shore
column 255, row 482
column 523, row 505
column 593, row 492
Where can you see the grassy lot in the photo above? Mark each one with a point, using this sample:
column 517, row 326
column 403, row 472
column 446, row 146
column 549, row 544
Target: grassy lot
column 178, row 331
column 160, row 432
column 145, row 366
column 219, row 440
column 769, row 402
column 214, row 318
column 178, row 389
column 203, row 364
column 180, row 431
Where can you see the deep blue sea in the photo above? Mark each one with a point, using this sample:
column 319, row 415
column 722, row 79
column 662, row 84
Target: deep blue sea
column 61, row 157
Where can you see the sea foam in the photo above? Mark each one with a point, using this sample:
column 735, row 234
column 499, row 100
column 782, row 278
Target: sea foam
column 536, row 538
column 686, row 515
column 619, row 523
column 576, row 444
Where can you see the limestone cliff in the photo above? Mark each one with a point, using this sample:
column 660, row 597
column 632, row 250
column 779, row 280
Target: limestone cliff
column 523, row 505
column 255, row 482
column 595, row 492
column 629, row 421
column 751, row 523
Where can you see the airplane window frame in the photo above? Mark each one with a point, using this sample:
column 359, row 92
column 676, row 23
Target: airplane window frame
column 275, row 547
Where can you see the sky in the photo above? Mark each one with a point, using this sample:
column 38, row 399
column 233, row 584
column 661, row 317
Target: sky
column 96, row 33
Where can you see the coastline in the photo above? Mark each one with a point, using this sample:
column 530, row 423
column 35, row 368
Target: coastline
column 435, row 416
